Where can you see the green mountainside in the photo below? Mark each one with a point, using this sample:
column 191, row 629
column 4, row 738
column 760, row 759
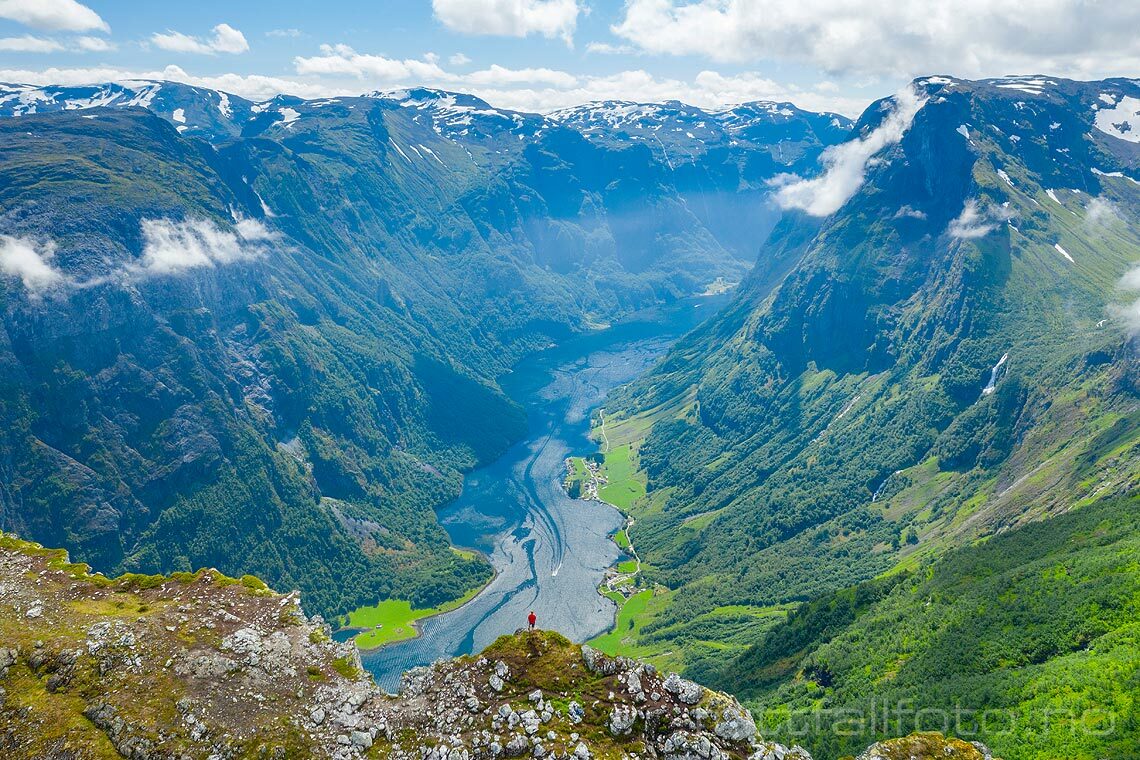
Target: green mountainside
column 264, row 337
column 942, row 360
column 1029, row 641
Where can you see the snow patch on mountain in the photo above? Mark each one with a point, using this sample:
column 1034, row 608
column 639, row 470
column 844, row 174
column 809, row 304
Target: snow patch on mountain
column 1063, row 252
column 1121, row 121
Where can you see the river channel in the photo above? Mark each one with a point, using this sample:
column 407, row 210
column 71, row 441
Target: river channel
column 549, row 551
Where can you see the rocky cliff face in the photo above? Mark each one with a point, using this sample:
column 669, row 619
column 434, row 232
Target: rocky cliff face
column 204, row 666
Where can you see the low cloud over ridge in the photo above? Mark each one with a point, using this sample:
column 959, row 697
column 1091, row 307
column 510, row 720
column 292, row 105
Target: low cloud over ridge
column 846, row 164
column 170, row 247
column 29, row 260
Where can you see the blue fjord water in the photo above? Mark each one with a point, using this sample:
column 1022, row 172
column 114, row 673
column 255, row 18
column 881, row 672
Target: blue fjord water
column 549, row 551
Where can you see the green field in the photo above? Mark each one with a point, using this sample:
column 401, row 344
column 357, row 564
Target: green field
column 627, row 567
column 621, row 538
column 629, row 621
column 624, row 484
column 393, row 619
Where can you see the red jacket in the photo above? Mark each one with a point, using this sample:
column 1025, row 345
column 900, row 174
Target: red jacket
column 531, row 618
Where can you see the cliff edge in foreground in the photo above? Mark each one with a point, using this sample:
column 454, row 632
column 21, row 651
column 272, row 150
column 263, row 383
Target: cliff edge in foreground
column 204, row 666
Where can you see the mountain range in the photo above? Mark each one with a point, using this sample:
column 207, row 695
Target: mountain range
column 265, row 336
column 902, row 464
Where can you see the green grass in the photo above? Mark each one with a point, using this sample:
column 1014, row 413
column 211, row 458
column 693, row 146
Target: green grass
column 621, row 538
column 629, row 621
column 624, row 484
column 396, row 618
column 628, row 566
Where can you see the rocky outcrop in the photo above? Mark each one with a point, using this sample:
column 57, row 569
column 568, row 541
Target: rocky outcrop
column 926, row 746
column 204, row 666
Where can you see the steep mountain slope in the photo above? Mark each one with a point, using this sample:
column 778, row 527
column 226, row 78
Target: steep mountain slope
column 264, row 336
column 201, row 665
column 937, row 357
column 1037, row 626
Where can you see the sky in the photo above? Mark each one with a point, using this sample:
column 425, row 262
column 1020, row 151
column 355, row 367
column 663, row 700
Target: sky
column 540, row 55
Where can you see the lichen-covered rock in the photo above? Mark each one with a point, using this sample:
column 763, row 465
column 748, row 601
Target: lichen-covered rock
column 735, row 724
column 773, row 751
column 926, row 746
column 687, row 691
column 622, row 718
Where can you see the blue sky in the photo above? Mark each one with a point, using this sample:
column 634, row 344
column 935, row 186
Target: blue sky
column 545, row 54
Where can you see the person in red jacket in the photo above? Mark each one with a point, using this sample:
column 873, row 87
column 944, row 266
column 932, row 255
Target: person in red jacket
column 531, row 619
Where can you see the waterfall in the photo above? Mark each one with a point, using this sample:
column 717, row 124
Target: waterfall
column 994, row 375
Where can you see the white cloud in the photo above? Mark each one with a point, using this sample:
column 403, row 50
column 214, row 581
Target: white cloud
column 1130, row 315
column 30, row 261
column 170, row 247
column 53, row 15
column 459, row 59
column 846, row 164
column 972, row 223
column 29, row 44
column 606, row 48
column 970, row 38
column 343, row 60
column 908, row 212
column 94, row 44
column 510, row 18
column 498, row 76
column 1101, row 213
column 286, row 33
column 226, row 39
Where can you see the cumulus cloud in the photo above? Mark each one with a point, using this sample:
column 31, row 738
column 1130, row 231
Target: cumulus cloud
column 226, row 39
column 458, row 59
column 94, row 44
column 972, row 223
column 498, row 75
column 285, row 33
column 29, row 44
column 845, row 165
column 30, row 261
column 53, row 15
column 510, row 18
column 343, row 60
column 170, row 247
column 971, row 38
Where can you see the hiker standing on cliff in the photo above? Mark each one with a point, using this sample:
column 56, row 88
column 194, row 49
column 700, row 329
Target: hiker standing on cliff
column 531, row 619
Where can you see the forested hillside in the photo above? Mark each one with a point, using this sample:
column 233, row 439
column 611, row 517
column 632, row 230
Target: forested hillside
column 1028, row 642
column 929, row 354
column 264, row 337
